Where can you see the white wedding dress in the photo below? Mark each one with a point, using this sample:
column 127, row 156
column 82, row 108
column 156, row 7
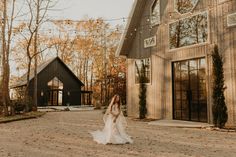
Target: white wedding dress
column 113, row 132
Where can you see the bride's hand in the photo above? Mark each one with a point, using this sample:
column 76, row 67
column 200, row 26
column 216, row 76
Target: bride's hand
column 114, row 120
column 113, row 98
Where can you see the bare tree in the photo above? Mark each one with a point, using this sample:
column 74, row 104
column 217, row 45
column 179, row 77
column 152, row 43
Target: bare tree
column 37, row 16
column 184, row 6
column 188, row 31
column 7, row 28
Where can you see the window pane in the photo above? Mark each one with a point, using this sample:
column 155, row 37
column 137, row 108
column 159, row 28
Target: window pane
column 202, row 63
column 185, row 6
column 177, row 85
column 55, row 83
column 189, row 31
column 155, row 17
column 193, row 65
column 143, row 68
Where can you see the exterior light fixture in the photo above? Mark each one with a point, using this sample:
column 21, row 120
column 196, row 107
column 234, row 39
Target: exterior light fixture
column 41, row 93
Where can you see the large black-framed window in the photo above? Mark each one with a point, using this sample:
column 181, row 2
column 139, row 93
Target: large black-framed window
column 189, row 31
column 146, row 63
column 189, row 90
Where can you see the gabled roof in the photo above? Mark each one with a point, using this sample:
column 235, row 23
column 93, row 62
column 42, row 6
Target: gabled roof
column 132, row 23
column 23, row 80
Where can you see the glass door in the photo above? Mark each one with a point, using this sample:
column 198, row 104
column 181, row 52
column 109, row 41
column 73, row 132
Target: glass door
column 55, row 97
column 189, row 90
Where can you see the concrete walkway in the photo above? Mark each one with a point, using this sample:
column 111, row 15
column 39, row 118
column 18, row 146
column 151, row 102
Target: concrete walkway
column 66, row 108
column 180, row 124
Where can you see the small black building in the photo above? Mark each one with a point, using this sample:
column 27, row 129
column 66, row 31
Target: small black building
column 57, row 84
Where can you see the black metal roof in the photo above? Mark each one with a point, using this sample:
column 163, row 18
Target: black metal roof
column 23, row 80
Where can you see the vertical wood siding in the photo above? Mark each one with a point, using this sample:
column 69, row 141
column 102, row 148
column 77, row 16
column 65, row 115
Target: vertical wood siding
column 159, row 97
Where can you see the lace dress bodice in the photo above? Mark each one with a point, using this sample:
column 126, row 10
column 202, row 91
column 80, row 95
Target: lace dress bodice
column 115, row 110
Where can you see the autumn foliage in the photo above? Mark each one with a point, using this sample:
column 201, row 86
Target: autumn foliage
column 88, row 47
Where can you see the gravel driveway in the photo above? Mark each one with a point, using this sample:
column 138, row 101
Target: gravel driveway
column 65, row 134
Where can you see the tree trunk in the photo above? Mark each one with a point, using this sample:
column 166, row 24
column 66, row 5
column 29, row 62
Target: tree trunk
column 86, row 78
column 36, row 60
column 26, row 94
column 80, row 70
column 5, row 64
column 91, row 84
column 91, row 79
column 12, row 111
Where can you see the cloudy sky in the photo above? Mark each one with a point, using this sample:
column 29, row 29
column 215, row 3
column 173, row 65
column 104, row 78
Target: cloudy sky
column 77, row 9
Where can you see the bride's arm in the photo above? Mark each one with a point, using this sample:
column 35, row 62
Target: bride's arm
column 116, row 115
column 112, row 112
column 109, row 111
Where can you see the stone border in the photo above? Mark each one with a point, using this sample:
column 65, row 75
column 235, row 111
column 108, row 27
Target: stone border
column 65, row 108
column 22, row 117
column 233, row 130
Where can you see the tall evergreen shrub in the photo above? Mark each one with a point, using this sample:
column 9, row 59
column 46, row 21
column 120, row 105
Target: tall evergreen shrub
column 219, row 108
column 142, row 93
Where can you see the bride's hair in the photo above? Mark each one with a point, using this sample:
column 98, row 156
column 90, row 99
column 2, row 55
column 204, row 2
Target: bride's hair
column 115, row 100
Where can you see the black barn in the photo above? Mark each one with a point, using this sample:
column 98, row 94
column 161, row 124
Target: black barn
column 57, row 84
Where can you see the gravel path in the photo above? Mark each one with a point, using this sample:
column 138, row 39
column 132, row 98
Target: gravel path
column 65, row 134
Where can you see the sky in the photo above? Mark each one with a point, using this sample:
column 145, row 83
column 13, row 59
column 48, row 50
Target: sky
column 78, row 9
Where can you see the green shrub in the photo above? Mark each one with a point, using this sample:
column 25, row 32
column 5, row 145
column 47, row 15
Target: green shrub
column 22, row 105
column 142, row 93
column 219, row 108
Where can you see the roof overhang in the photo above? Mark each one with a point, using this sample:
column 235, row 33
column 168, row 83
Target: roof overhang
column 130, row 28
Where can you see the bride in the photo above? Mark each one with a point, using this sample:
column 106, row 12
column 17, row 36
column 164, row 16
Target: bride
column 115, row 123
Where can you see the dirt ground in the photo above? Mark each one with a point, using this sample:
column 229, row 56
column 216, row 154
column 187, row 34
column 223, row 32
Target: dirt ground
column 66, row 134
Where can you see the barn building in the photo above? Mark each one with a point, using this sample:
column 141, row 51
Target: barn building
column 174, row 39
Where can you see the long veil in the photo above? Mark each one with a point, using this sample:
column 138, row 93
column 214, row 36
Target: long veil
column 121, row 116
column 108, row 134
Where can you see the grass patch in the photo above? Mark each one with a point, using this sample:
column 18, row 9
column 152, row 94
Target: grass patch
column 24, row 116
column 144, row 120
column 225, row 129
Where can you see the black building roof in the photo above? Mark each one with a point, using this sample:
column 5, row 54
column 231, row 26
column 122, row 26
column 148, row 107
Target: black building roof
column 23, row 80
